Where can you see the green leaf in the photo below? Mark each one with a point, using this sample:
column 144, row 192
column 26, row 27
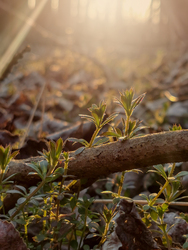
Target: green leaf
column 82, row 141
column 160, row 171
column 36, row 167
column 118, row 131
column 79, row 150
column 6, row 156
column 44, row 167
column 21, row 221
column 73, row 202
column 146, row 207
column 175, row 128
column 86, row 247
column 35, row 202
column 81, row 210
column 109, row 119
column 14, row 192
column 154, row 215
column 99, row 140
column 14, row 154
column 12, row 211
column 111, row 133
column 8, row 178
column 22, row 188
column 164, row 207
column 138, row 100
column 59, row 171
column 59, row 146
column 106, row 192
column 163, row 227
column 152, row 196
column 88, row 117
column 182, row 173
column 144, row 197
column 21, row 200
column 185, row 245
column 51, row 178
column 160, row 211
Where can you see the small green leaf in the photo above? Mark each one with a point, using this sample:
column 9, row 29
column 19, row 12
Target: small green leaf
column 79, row 150
column 21, row 221
column 144, row 197
column 160, row 171
column 175, row 128
column 164, row 207
column 6, row 181
column 163, row 227
column 59, row 146
column 88, row 117
column 154, row 215
column 22, row 188
column 82, row 141
column 138, row 100
column 14, row 192
column 21, row 200
column 86, row 247
column 106, row 192
column 182, row 173
column 109, row 119
column 74, row 244
column 146, row 207
column 35, row 202
column 36, row 167
column 185, row 245
column 111, row 133
column 99, row 140
column 59, row 171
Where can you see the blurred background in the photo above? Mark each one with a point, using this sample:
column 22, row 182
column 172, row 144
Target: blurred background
column 118, row 25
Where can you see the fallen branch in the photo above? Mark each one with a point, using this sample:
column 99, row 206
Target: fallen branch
column 93, row 163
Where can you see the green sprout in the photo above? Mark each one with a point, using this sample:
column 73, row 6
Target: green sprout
column 97, row 117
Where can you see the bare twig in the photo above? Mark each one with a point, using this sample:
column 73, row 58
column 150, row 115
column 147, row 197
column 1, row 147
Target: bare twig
column 142, row 202
column 32, row 115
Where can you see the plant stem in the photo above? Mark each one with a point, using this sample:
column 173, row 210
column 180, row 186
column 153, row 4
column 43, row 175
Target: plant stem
column 58, row 201
column 172, row 170
column 104, row 235
column 93, row 136
column 123, row 173
column 1, row 177
column 127, row 125
column 44, row 215
column 167, row 240
column 84, row 228
column 121, row 183
column 60, row 189
column 152, row 202
column 31, row 194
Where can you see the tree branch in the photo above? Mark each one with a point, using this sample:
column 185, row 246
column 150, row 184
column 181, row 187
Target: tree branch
column 165, row 147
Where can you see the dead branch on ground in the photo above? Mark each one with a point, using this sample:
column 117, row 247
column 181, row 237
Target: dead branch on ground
column 141, row 152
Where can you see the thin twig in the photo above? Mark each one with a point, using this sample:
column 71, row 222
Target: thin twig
column 142, row 202
column 32, row 115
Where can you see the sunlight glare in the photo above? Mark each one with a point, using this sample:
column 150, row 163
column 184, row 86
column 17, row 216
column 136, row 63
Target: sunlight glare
column 55, row 4
column 31, row 4
column 137, row 9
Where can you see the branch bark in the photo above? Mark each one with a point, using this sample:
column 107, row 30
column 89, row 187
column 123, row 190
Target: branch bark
column 93, row 163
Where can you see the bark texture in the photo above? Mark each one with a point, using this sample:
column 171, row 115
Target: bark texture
column 93, row 163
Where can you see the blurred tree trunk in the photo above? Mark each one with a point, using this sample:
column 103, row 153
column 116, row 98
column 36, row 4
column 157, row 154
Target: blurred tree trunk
column 176, row 12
